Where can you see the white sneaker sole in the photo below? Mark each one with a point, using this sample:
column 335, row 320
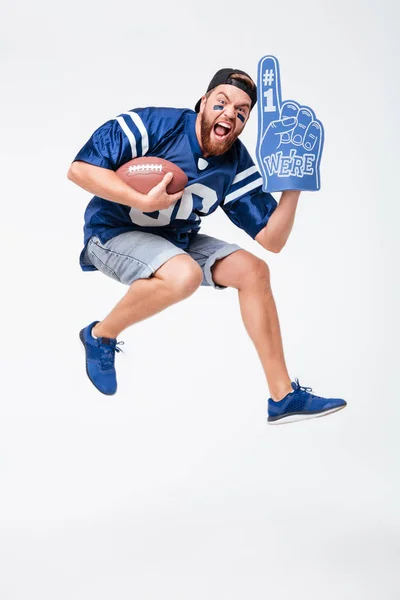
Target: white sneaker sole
column 304, row 417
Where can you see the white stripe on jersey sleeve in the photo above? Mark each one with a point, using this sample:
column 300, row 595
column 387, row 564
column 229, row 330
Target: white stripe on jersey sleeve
column 129, row 135
column 143, row 131
column 244, row 174
column 243, row 190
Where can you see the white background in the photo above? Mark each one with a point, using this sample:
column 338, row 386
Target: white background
column 176, row 487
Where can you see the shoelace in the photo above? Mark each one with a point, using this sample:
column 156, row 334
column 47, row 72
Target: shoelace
column 301, row 387
column 107, row 354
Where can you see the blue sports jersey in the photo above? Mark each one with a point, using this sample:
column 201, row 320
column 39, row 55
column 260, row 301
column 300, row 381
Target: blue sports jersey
column 231, row 181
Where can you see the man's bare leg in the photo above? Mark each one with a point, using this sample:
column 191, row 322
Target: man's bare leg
column 175, row 280
column 250, row 276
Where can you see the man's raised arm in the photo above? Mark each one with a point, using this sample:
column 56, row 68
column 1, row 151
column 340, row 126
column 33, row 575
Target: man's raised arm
column 275, row 234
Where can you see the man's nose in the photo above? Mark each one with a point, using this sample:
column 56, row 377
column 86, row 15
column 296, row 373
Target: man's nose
column 230, row 111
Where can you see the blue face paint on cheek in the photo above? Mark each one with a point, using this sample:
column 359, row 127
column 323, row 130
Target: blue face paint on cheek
column 241, row 117
column 217, row 107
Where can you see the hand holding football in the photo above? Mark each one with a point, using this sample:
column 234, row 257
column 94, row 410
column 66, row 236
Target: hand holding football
column 144, row 173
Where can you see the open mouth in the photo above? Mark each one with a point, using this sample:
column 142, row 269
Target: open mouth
column 222, row 130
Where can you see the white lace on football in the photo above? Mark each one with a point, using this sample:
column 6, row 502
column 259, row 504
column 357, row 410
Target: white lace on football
column 153, row 168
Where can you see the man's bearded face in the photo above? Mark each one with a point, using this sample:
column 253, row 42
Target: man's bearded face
column 222, row 119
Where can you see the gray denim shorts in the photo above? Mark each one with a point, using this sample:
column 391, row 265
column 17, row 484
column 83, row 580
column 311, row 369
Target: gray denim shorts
column 138, row 254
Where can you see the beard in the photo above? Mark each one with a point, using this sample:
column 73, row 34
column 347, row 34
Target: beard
column 210, row 146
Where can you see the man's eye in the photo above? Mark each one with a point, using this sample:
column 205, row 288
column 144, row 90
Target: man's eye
column 220, row 102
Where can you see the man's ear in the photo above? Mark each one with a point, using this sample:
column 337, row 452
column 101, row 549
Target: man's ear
column 202, row 104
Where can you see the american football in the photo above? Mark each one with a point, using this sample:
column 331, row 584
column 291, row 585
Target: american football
column 143, row 173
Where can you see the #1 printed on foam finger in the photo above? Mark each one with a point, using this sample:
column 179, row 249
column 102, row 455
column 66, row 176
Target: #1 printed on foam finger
column 290, row 137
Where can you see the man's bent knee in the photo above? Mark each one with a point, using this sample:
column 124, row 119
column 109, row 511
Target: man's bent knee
column 181, row 274
column 241, row 269
column 253, row 271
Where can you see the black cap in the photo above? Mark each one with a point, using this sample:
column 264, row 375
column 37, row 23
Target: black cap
column 224, row 76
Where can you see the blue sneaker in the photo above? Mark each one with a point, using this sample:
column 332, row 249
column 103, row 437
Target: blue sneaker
column 300, row 404
column 100, row 354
